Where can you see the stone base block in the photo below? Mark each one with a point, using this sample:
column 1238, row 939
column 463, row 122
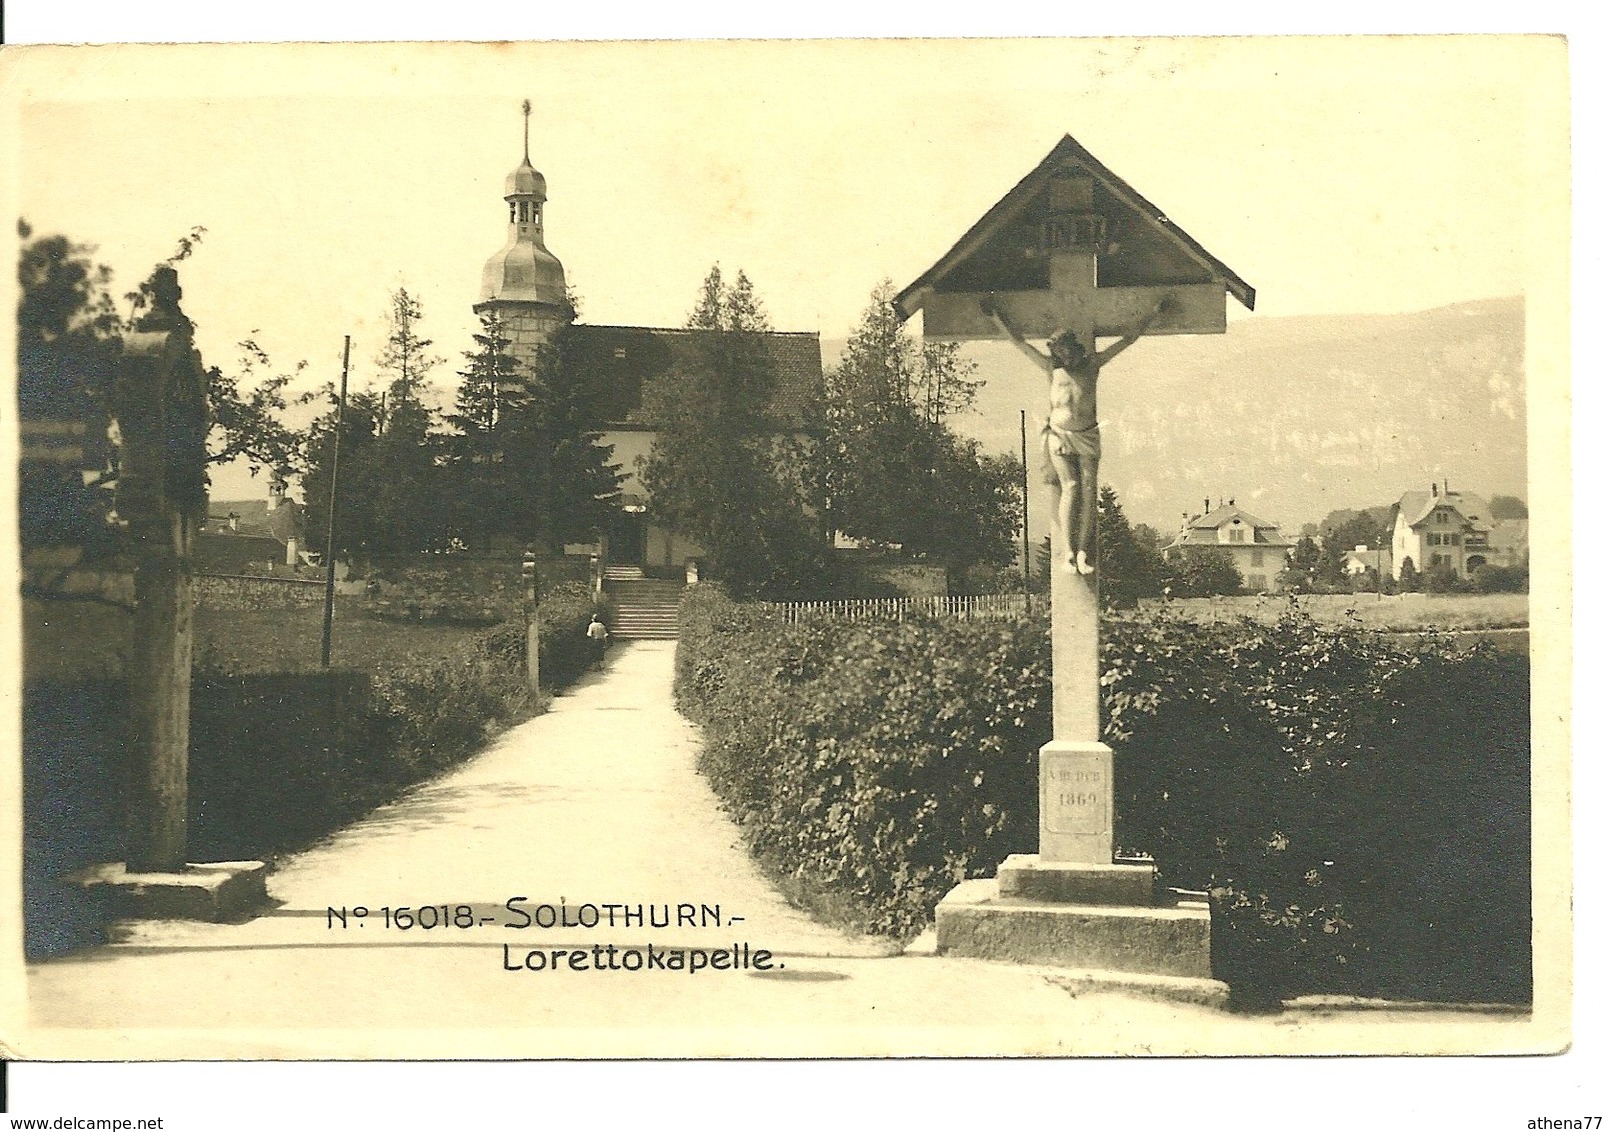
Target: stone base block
column 976, row 920
column 1026, row 876
column 213, row 892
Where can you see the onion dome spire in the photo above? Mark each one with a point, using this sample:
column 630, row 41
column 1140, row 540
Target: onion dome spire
column 524, row 270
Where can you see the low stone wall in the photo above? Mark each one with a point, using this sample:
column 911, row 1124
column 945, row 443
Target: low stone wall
column 240, row 591
column 456, row 588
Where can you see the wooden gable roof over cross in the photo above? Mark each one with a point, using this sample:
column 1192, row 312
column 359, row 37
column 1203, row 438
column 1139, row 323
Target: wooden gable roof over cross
column 1072, row 242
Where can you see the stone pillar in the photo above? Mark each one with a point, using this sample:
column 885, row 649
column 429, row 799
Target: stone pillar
column 534, row 638
column 161, row 411
column 534, row 642
column 159, row 701
column 154, row 421
column 1076, row 696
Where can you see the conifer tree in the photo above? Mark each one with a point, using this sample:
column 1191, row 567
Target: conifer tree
column 719, row 471
column 406, row 361
column 489, row 400
column 581, row 486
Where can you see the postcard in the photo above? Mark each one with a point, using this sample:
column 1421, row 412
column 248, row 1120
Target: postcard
column 789, row 549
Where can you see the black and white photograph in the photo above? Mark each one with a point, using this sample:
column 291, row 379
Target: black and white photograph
column 790, row 549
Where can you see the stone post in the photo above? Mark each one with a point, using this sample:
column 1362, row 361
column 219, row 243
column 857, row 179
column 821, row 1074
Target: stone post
column 529, row 603
column 161, row 411
column 159, row 671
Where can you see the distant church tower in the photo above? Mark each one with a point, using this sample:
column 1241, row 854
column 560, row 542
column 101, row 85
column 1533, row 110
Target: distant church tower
column 524, row 283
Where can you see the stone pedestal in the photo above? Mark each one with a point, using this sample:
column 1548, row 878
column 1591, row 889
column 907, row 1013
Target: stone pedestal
column 1070, row 905
column 976, row 920
column 213, row 892
column 1025, row 876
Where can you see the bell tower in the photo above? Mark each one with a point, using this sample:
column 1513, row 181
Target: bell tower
column 523, row 282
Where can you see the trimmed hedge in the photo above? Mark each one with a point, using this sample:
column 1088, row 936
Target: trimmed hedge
column 1358, row 810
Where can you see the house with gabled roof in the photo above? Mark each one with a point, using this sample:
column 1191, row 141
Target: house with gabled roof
column 248, row 535
column 1441, row 529
column 1257, row 548
column 1362, row 560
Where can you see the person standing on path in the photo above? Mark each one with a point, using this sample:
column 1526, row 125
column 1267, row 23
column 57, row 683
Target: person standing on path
column 598, row 640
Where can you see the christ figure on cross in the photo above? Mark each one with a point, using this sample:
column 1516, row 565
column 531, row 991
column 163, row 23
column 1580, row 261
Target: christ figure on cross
column 1069, row 439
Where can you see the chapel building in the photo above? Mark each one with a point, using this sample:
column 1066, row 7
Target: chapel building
column 524, row 283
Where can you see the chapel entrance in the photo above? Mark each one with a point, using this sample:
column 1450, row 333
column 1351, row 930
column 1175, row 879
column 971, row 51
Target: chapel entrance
column 629, row 535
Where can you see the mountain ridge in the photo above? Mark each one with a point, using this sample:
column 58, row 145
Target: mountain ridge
column 1294, row 415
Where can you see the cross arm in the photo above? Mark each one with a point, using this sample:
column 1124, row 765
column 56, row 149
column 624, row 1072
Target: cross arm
column 1109, row 311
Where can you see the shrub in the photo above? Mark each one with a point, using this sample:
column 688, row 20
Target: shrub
column 1443, row 579
column 844, row 750
column 1410, row 581
column 1286, row 768
column 1501, row 579
column 1202, row 572
column 563, row 613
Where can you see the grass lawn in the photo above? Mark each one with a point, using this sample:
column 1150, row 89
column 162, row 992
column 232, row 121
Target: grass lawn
column 1399, row 613
column 287, row 640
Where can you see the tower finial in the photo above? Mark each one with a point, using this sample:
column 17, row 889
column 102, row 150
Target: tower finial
column 526, row 129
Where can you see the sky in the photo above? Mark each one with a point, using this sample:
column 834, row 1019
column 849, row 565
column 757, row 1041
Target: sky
column 1335, row 175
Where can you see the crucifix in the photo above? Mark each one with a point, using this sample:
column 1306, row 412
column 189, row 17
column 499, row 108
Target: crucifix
column 1073, row 255
column 1070, row 440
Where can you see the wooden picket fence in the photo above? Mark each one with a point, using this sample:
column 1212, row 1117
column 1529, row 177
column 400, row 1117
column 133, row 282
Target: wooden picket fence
column 969, row 607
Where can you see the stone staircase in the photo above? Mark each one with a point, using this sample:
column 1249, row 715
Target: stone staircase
column 646, row 608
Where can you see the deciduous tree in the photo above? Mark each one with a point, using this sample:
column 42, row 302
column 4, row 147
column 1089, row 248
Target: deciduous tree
column 68, row 330
column 1203, row 572
column 895, row 473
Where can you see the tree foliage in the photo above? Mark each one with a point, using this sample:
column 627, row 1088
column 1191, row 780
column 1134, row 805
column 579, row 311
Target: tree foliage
column 1131, row 567
column 722, row 470
column 490, row 404
column 581, row 486
column 387, row 487
column 896, row 475
column 69, row 330
column 1362, row 529
column 248, row 407
column 1304, row 568
column 392, row 493
column 407, row 360
column 1503, row 507
column 1203, row 571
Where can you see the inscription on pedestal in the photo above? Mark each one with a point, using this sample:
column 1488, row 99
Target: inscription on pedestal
column 1077, row 802
column 1076, row 793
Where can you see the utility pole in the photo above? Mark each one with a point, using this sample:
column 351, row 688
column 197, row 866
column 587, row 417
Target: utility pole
column 330, row 510
column 1024, row 506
